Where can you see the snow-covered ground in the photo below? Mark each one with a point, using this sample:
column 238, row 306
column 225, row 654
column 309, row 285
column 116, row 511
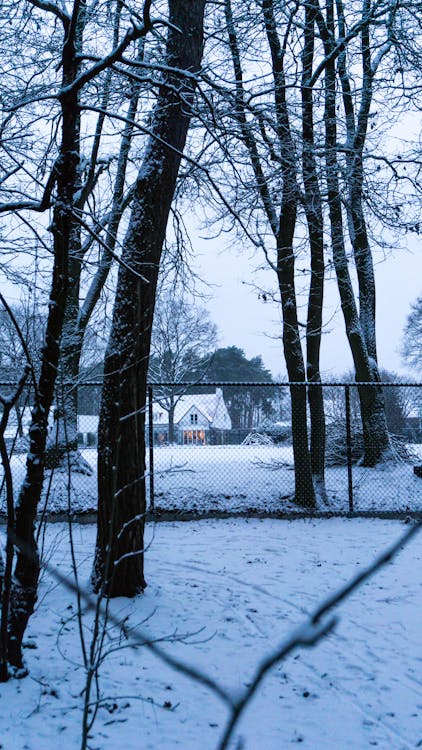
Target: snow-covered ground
column 236, row 479
column 261, row 477
column 238, row 586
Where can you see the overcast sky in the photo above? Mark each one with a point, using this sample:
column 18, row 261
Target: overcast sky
column 246, row 321
column 250, row 323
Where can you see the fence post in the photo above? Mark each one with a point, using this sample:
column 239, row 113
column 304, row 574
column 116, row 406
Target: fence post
column 151, row 449
column 349, row 447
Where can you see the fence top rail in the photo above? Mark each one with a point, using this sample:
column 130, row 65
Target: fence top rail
column 283, row 384
column 233, row 383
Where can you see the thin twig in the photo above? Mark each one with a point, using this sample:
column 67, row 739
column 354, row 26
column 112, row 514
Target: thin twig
column 312, row 631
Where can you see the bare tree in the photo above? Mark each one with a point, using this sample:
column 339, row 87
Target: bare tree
column 360, row 325
column 102, row 232
column 183, row 339
column 334, row 177
column 280, row 208
column 412, row 336
column 121, row 448
column 312, row 202
column 59, row 194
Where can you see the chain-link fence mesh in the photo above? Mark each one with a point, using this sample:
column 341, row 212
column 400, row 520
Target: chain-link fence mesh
column 230, row 448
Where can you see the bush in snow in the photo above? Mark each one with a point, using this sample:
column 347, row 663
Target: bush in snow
column 336, row 445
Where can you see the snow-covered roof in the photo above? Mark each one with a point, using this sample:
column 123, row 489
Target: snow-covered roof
column 204, row 404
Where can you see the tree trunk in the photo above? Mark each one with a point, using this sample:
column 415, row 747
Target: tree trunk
column 304, row 489
column 19, row 425
column 63, row 448
column 6, row 569
column 171, row 423
column 314, row 218
column 356, row 128
column 25, row 583
column 376, row 438
column 118, row 565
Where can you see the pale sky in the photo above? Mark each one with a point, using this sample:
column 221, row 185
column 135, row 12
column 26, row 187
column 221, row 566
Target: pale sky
column 245, row 321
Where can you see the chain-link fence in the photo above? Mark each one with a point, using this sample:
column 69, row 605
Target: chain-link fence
column 230, row 448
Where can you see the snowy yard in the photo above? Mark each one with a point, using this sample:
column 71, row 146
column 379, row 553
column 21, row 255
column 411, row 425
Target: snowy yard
column 237, row 586
column 236, row 479
column 261, row 477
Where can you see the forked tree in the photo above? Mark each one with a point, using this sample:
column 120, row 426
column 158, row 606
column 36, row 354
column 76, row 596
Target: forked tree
column 281, row 214
column 359, row 323
column 57, row 198
column 118, row 566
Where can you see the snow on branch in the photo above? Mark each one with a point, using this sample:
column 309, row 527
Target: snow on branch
column 51, row 8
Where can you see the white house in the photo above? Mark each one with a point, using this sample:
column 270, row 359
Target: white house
column 87, row 430
column 199, row 418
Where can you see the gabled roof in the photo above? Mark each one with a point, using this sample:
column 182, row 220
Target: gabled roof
column 205, row 404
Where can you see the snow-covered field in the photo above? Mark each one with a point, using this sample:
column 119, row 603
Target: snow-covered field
column 236, row 479
column 261, row 477
column 237, row 586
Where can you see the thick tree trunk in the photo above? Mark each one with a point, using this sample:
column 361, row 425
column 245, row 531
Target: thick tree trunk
column 24, row 591
column 314, row 218
column 64, row 230
column 118, row 565
column 304, row 489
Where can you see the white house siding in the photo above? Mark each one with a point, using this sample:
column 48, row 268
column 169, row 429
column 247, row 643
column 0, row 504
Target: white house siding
column 221, row 419
column 196, row 414
column 87, row 429
column 193, row 427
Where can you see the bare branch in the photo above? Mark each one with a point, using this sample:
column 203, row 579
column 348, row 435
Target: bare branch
column 313, row 630
column 51, row 8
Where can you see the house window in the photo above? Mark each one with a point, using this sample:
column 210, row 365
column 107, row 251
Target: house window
column 194, row 437
column 194, row 418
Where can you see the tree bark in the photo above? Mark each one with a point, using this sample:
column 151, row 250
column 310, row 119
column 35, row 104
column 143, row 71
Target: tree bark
column 282, row 226
column 171, row 421
column 118, row 566
column 356, row 128
column 315, row 222
column 24, row 590
column 64, row 443
column 376, row 438
column 304, row 489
